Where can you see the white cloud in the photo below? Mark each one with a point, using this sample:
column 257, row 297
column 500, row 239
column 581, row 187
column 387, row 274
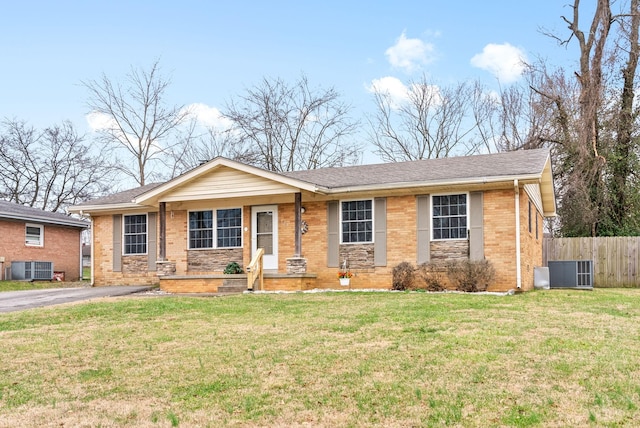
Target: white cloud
column 99, row 121
column 504, row 61
column 397, row 91
column 430, row 93
column 408, row 54
column 208, row 116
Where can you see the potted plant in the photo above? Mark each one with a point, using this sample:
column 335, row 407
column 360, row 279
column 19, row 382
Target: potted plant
column 344, row 276
column 233, row 268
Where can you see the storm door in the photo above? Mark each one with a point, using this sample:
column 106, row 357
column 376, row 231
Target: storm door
column 264, row 234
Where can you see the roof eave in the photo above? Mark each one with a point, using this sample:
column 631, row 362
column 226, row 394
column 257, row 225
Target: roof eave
column 88, row 209
column 533, row 178
column 40, row 219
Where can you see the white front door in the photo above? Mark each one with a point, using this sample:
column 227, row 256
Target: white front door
column 264, row 234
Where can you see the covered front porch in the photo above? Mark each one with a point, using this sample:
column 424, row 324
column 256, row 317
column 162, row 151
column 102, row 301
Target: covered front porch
column 263, row 272
column 220, row 283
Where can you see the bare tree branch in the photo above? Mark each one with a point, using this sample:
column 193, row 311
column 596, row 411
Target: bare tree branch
column 290, row 127
column 138, row 125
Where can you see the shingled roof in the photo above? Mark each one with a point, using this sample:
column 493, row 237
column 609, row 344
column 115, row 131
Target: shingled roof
column 13, row 211
column 526, row 165
column 507, row 164
column 123, row 197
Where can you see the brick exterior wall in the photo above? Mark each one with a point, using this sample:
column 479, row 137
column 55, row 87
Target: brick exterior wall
column 499, row 246
column 500, row 237
column 531, row 247
column 134, row 268
column 61, row 246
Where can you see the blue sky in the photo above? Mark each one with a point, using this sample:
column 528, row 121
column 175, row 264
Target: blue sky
column 213, row 50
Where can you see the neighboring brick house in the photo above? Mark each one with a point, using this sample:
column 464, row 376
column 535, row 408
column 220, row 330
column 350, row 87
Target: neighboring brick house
column 29, row 234
column 182, row 233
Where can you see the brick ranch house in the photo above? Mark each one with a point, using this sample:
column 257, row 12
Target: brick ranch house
column 182, row 234
column 29, row 234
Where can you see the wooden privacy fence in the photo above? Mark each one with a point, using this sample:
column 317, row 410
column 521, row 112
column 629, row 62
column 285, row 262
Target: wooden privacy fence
column 616, row 260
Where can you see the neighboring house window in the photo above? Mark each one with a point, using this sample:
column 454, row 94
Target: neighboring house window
column 357, row 221
column 449, row 216
column 135, row 234
column 228, row 231
column 34, row 235
column 530, row 219
column 536, row 225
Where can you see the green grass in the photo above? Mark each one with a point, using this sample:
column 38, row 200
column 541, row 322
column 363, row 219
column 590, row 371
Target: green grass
column 553, row 358
column 33, row 285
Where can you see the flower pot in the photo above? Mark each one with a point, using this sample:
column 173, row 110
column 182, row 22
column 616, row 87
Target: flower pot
column 344, row 281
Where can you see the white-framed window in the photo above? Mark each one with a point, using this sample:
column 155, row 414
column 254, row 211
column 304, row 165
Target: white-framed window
column 449, row 216
column 34, row 235
column 229, row 228
column 356, row 218
column 135, row 234
column 227, row 232
column 201, row 229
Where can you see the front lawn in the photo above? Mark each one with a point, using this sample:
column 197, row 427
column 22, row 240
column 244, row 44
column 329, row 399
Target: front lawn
column 544, row 358
column 36, row 285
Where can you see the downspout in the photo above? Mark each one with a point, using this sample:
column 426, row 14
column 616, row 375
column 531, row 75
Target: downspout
column 92, row 250
column 81, row 267
column 518, row 268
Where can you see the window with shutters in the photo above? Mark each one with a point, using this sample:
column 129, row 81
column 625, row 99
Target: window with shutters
column 135, row 234
column 356, row 218
column 449, row 217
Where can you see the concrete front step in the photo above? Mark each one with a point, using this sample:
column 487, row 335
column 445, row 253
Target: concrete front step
column 233, row 286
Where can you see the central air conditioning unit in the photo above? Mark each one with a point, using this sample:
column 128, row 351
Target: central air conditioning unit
column 31, row 271
column 571, row 274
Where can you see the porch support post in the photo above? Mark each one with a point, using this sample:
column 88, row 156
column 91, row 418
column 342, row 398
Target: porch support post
column 298, row 223
column 163, row 230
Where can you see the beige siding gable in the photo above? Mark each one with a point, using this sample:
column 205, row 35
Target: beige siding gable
column 224, row 182
column 533, row 190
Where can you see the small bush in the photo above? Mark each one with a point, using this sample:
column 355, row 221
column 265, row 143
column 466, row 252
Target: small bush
column 471, row 276
column 403, row 276
column 233, row 268
column 432, row 274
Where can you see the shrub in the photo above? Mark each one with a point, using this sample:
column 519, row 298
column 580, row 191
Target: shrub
column 432, row 274
column 233, row 268
column 403, row 276
column 471, row 276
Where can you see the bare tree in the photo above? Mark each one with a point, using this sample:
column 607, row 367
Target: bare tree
column 293, row 127
column 197, row 146
column 593, row 127
column 49, row 169
column 138, row 124
column 624, row 159
column 432, row 122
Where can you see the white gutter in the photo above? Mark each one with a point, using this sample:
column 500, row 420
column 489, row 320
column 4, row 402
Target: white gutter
column 43, row 219
column 533, row 178
column 518, row 268
column 108, row 207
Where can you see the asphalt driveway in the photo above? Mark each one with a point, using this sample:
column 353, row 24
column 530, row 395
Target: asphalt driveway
column 11, row 301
